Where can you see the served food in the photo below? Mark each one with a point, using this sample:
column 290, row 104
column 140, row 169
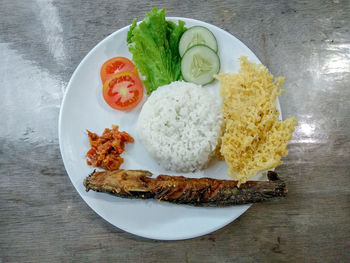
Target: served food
column 123, row 91
column 116, row 65
column 180, row 125
column 197, row 35
column 106, row 149
column 254, row 139
column 200, row 61
column 181, row 190
column 199, row 64
column 154, row 44
column 165, row 52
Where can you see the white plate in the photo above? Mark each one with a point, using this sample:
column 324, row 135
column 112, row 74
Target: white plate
column 84, row 108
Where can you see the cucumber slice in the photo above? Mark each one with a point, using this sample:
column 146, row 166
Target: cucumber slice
column 197, row 35
column 199, row 64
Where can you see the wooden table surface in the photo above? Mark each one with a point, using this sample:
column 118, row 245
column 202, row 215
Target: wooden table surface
column 42, row 217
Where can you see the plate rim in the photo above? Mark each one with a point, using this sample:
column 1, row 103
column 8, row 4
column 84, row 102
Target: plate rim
column 66, row 91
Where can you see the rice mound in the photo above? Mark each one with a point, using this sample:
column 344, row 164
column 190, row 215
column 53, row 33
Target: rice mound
column 180, row 125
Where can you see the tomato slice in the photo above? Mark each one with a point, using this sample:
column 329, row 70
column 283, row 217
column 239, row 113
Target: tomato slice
column 123, row 91
column 116, row 65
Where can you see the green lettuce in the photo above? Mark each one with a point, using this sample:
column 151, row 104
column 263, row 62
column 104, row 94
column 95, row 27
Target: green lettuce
column 154, row 44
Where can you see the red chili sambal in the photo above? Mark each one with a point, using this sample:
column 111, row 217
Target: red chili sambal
column 106, row 149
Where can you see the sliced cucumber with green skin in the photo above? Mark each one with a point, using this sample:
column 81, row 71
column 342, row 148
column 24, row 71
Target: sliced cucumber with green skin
column 199, row 64
column 197, row 35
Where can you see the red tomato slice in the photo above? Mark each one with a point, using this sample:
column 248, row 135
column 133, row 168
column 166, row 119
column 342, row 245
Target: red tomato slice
column 116, row 65
column 123, row 91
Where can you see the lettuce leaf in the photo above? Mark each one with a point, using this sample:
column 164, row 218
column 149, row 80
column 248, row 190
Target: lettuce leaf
column 154, row 45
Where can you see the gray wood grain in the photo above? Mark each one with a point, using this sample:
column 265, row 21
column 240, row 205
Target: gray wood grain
column 42, row 217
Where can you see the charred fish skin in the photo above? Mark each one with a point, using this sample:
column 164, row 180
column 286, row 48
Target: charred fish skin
column 113, row 183
column 212, row 192
column 181, row 190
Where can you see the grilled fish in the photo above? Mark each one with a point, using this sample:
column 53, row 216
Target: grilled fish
column 182, row 190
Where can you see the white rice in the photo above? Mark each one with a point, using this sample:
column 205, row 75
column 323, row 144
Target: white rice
column 179, row 125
